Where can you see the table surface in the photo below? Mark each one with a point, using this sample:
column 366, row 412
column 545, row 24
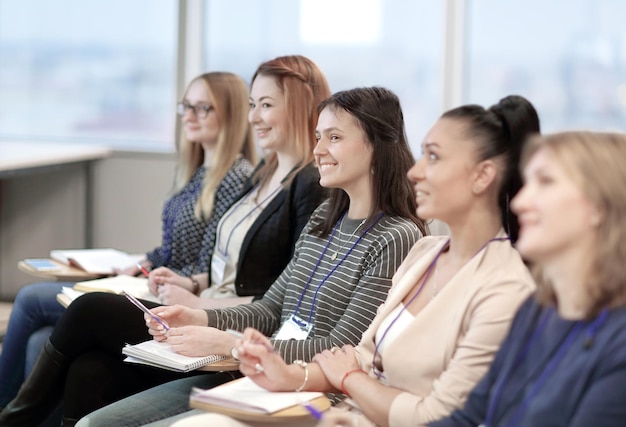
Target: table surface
column 19, row 155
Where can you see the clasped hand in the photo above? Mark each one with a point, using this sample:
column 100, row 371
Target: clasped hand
column 188, row 333
column 268, row 369
column 336, row 362
column 262, row 364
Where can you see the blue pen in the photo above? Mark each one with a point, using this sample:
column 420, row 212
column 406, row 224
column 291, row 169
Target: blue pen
column 145, row 310
column 317, row 414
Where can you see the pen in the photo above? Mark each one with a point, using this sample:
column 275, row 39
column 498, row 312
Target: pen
column 317, row 414
column 143, row 308
column 143, row 269
column 239, row 335
column 235, row 333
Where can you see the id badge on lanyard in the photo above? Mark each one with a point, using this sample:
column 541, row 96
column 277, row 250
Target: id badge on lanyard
column 218, row 267
column 294, row 329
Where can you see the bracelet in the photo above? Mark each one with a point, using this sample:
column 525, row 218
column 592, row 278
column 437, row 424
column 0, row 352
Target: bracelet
column 195, row 285
column 345, row 376
column 304, row 366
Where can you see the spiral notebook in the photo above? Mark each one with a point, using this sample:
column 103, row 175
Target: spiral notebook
column 159, row 354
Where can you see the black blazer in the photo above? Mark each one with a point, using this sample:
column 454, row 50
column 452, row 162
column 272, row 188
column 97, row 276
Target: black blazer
column 269, row 244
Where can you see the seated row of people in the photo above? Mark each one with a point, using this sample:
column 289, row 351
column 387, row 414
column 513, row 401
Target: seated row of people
column 407, row 350
column 251, row 216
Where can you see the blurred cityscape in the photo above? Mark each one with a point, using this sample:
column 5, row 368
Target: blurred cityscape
column 74, row 82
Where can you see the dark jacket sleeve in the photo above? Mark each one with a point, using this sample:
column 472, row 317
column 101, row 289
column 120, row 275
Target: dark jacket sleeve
column 474, row 411
column 269, row 244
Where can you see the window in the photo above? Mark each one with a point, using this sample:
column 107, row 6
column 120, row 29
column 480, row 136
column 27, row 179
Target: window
column 91, row 71
column 395, row 43
column 567, row 56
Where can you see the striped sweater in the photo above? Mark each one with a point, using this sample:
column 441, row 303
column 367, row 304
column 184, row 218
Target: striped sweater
column 345, row 303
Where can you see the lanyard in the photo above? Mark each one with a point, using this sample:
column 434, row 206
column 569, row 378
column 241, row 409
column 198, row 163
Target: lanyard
column 232, row 211
column 419, row 290
column 547, row 371
column 172, row 207
column 323, row 281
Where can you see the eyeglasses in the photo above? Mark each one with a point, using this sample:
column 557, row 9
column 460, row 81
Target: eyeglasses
column 200, row 110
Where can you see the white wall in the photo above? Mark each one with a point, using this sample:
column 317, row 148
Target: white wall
column 49, row 210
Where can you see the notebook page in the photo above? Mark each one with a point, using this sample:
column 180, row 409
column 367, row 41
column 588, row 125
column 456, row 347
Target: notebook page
column 160, row 353
column 246, row 395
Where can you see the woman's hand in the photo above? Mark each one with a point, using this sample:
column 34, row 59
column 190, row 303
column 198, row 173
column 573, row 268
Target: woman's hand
column 198, row 341
column 175, row 316
column 264, row 366
column 133, row 270
column 336, row 362
column 172, row 294
column 162, row 275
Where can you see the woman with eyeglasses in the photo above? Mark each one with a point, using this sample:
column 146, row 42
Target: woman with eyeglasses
column 215, row 158
column 256, row 237
column 253, row 242
column 452, row 299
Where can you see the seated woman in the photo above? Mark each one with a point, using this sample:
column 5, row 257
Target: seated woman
column 340, row 273
column 564, row 360
column 215, row 158
column 255, row 238
column 453, row 298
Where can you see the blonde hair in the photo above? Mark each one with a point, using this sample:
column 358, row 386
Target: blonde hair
column 229, row 97
column 303, row 86
column 595, row 161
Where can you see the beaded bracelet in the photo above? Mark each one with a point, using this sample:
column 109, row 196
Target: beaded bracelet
column 345, row 376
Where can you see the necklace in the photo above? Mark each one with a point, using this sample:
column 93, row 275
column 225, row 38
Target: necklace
column 343, row 245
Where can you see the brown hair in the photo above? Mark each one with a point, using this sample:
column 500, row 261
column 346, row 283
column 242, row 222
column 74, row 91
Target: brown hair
column 595, row 161
column 303, row 86
column 378, row 113
column 229, row 96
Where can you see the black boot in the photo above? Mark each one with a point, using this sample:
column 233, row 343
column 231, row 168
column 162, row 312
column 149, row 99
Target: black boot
column 41, row 392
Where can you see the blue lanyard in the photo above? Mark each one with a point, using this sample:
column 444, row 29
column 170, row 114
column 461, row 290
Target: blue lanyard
column 319, row 260
column 547, row 371
column 232, row 211
column 419, row 290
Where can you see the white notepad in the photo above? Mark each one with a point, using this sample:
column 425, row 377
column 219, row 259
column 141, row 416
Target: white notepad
column 136, row 286
column 243, row 394
column 96, row 261
column 159, row 354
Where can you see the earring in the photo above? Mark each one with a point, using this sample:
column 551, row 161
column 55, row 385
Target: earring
column 476, row 190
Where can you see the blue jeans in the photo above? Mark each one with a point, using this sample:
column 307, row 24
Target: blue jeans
column 35, row 311
column 155, row 406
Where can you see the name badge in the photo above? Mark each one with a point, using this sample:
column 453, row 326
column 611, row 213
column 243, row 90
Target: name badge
column 218, row 267
column 294, row 329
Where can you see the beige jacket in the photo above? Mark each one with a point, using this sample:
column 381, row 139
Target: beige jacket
column 449, row 345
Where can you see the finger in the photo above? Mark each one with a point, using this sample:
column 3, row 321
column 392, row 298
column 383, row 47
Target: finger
column 251, row 370
column 251, row 349
column 252, row 335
